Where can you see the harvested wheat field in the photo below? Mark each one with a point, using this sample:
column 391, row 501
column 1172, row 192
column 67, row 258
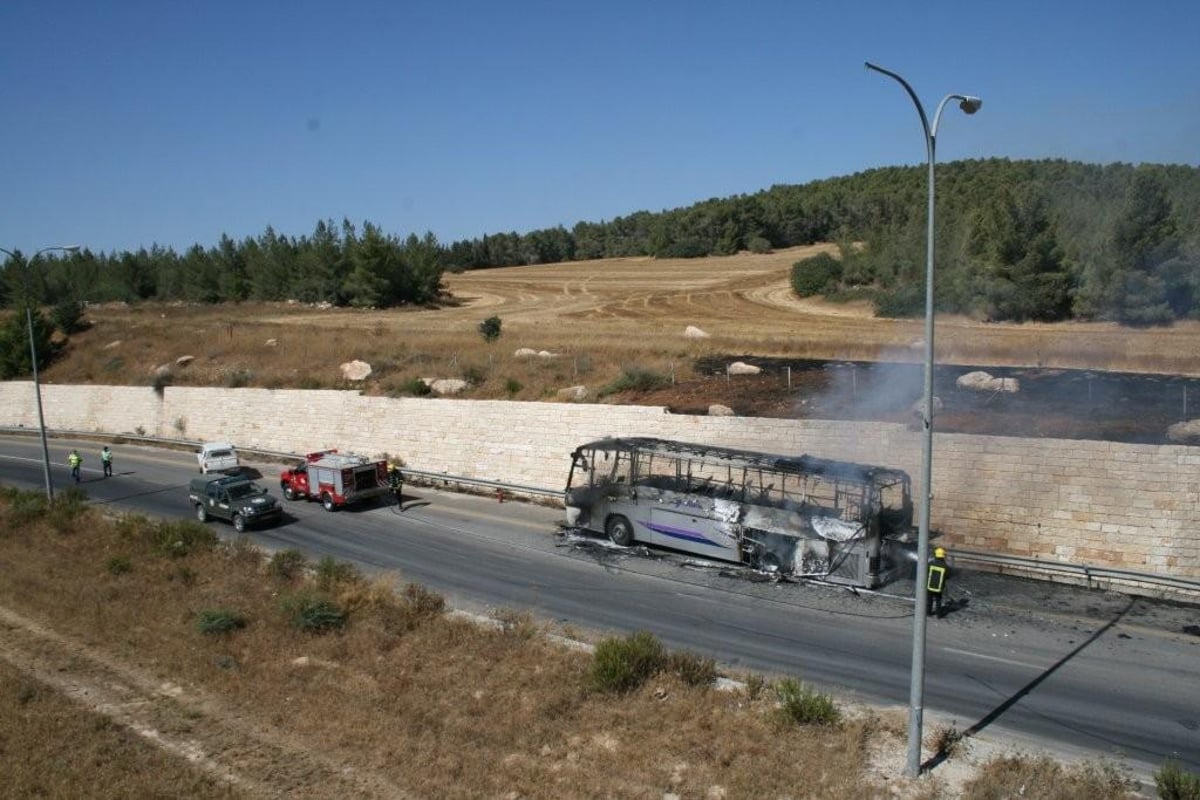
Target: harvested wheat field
column 617, row 328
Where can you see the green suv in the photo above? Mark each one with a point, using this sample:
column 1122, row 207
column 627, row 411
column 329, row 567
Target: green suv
column 235, row 498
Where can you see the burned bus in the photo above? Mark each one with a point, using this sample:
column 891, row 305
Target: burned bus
column 796, row 515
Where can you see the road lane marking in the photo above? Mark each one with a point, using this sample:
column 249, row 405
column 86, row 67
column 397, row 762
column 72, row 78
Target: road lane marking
column 1009, row 661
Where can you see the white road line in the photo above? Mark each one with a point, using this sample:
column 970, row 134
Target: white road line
column 1008, row 661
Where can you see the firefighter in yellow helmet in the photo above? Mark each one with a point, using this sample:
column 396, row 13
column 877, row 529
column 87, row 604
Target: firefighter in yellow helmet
column 935, row 583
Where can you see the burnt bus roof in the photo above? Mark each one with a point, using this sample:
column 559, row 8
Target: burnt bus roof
column 796, row 465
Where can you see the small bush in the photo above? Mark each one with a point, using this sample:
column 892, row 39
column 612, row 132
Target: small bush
column 816, row 275
column 219, row 620
column 474, row 374
column 239, row 378
column 313, row 613
column 489, row 329
column 692, row 669
column 636, row 379
column 68, row 506
column 947, row 741
column 1173, row 783
column 758, row 244
column 331, row 572
column 512, row 387
column 184, row 574
column 622, row 665
column 422, row 601
column 1017, row 775
column 518, row 624
column 901, row 302
column 754, row 686
column 287, row 564
column 24, row 507
column 803, row 705
column 119, row 565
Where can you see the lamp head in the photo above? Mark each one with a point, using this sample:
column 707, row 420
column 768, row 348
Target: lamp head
column 970, row 104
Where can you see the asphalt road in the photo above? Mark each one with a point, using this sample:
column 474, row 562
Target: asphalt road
column 1080, row 673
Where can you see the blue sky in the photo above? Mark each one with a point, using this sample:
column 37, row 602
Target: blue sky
column 131, row 123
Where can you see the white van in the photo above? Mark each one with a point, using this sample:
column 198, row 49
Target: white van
column 217, row 457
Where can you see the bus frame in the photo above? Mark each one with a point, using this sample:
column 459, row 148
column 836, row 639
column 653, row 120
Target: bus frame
column 800, row 516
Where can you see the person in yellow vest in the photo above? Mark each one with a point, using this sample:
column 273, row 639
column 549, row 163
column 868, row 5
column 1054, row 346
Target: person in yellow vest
column 935, row 584
column 75, row 461
column 106, row 461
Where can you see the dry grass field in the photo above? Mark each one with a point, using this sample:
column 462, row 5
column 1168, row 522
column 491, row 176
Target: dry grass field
column 597, row 317
column 143, row 659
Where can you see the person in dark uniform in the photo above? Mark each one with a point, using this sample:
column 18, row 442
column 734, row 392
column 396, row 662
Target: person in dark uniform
column 395, row 481
column 935, row 584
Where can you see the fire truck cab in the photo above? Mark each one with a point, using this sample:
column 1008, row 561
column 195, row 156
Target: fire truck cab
column 336, row 479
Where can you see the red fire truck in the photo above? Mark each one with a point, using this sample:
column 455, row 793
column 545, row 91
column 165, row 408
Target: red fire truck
column 336, row 479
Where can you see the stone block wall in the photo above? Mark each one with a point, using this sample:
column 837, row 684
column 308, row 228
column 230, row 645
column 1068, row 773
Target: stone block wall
column 1122, row 506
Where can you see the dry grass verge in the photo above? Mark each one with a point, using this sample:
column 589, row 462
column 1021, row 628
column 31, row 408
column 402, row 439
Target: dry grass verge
column 196, row 647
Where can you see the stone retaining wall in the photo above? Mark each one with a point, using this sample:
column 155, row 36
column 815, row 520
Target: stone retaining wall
column 1122, row 506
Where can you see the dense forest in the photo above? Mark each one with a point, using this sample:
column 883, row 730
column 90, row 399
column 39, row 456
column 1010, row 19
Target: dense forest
column 1017, row 240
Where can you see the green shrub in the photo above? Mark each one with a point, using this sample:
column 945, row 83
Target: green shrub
column 287, row 564
column 67, row 316
column 818, row 274
column 312, row 612
column 622, row 665
column 636, row 379
column 802, row 705
column 219, row 620
column 692, row 669
column 754, row 686
column 758, row 244
column 512, row 386
column 331, row 572
column 901, row 302
column 489, row 329
column 24, row 507
column 68, row 506
column 1173, row 783
column 119, row 565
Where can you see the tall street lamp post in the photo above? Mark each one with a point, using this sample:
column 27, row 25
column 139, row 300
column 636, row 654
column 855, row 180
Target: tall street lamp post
column 37, row 389
column 969, row 105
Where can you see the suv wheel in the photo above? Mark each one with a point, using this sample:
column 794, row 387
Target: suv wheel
column 201, row 513
column 239, row 523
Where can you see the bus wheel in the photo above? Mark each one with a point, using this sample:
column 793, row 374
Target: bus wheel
column 620, row 531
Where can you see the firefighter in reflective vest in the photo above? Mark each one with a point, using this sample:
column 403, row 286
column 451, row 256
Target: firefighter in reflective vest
column 75, row 461
column 106, row 461
column 935, row 585
column 395, row 480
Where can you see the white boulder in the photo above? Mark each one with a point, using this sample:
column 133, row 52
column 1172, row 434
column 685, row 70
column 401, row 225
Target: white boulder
column 445, row 385
column 1185, row 432
column 718, row 410
column 573, row 394
column 355, row 370
column 692, row 332
column 525, row 352
column 742, row 368
column 980, row 381
column 183, row 361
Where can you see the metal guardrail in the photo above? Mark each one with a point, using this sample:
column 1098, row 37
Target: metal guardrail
column 1087, row 573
